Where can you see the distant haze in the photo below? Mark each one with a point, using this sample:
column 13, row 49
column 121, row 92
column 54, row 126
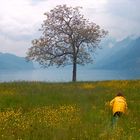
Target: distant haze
column 21, row 19
column 121, row 61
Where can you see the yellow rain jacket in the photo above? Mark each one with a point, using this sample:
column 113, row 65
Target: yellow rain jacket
column 118, row 104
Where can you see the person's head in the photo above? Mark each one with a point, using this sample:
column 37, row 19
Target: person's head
column 119, row 94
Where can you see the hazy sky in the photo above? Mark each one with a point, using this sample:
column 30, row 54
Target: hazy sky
column 21, row 19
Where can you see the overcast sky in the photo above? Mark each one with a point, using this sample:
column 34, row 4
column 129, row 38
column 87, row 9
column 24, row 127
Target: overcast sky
column 21, row 19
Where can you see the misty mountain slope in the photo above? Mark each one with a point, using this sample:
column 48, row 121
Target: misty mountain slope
column 104, row 49
column 124, row 55
column 12, row 62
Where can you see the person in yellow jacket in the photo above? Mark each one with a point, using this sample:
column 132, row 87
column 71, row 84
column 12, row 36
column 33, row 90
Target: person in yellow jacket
column 118, row 106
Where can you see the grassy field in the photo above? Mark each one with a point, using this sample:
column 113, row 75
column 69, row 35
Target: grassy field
column 67, row 111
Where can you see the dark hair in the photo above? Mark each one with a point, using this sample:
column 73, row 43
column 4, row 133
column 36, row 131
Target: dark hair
column 120, row 94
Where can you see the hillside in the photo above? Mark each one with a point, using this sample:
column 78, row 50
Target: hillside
column 67, row 111
column 123, row 55
column 13, row 62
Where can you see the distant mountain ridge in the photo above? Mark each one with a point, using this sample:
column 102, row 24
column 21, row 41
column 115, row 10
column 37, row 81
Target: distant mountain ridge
column 123, row 55
column 13, row 62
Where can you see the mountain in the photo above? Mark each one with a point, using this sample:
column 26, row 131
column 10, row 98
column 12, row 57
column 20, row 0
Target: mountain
column 123, row 55
column 105, row 48
column 13, row 62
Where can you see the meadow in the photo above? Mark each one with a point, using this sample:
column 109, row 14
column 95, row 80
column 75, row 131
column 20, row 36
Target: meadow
column 67, row 111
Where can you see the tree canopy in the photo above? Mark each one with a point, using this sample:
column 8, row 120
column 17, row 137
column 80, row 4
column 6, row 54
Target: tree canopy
column 67, row 38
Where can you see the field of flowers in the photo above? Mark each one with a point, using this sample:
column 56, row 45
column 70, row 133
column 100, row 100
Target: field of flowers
column 67, row 111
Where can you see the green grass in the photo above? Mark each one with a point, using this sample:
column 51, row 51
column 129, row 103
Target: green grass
column 67, row 111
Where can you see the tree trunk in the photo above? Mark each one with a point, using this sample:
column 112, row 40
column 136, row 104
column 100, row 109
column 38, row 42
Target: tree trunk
column 74, row 70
